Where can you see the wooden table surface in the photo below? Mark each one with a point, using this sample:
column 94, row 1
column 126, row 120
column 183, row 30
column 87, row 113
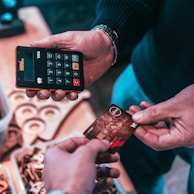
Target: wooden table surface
column 36, row 28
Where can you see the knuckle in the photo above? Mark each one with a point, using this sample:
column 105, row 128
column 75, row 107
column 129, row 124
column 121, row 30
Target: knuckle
column 152, row 111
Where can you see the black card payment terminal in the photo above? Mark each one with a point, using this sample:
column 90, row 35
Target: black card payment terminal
column 43, row 68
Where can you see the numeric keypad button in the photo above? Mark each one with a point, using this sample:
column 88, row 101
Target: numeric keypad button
column 58, row 56
column 66, row 57
column 51, row 80
column 50, row 55
column 50, row 63
column 59, row 64
column 68, row 81
column 59, row 81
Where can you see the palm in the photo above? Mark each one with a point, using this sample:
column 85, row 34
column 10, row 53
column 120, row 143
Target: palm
column 97, row 55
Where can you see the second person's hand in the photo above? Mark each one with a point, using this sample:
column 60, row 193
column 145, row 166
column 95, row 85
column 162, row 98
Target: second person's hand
column 179, row 131
column 70, row 166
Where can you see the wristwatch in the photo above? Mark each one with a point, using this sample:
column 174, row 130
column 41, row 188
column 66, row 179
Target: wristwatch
column 112, row 36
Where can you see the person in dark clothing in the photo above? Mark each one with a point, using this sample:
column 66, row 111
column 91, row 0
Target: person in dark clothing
column 162, row 65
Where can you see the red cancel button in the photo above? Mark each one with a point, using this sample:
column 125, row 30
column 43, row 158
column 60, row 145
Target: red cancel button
column 76, row 82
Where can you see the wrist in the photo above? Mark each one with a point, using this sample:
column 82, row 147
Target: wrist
column 112, row 35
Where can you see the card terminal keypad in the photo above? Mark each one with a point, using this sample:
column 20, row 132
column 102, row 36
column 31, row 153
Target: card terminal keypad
column 63, row 69
column 49, row 68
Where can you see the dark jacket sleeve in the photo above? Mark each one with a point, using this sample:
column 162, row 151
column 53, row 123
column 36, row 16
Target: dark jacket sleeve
column 129, row 18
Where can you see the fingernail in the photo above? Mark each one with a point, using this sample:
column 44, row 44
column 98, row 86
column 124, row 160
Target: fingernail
column 137, row 116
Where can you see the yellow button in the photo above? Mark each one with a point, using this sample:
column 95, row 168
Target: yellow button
column 75, row 66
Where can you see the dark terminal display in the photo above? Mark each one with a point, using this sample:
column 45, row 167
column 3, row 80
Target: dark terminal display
column 29, row 67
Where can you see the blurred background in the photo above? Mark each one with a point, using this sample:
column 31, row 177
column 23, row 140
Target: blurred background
column 65, row 15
